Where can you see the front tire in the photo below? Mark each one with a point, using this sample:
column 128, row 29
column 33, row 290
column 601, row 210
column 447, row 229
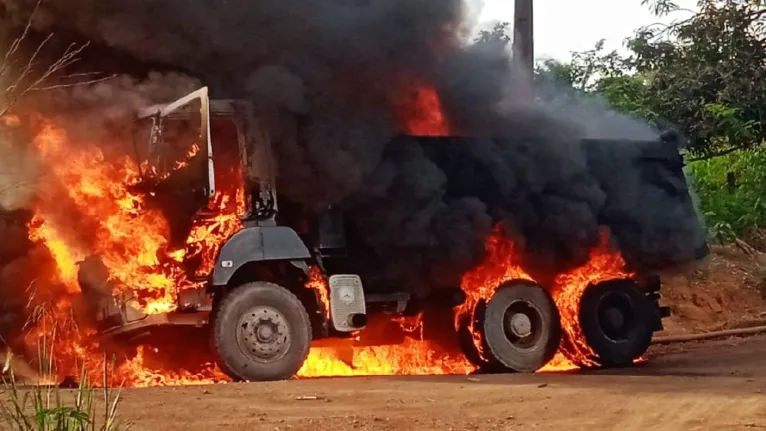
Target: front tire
column 261, row 332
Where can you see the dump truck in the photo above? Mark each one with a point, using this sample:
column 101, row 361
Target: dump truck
column 254, row 299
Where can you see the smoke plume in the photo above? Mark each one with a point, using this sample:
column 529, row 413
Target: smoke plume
column 338, row 76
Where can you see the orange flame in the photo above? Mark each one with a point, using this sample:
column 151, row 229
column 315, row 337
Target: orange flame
column 10, row 120
column 346, row 357
column 318, row 284
column 86, row 208
column 500, row 265
column 208, row 233
column 417, row 355
column 137, row 373
column 604, row 264
column 412, row 357
column 96, row 193
column 424, row 116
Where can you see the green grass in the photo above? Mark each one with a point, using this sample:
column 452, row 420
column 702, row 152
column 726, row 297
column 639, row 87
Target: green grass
column 732, row 207
column 49, row 408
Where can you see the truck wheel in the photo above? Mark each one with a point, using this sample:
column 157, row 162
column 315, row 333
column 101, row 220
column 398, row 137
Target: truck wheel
column 478, row 356
column 617, row 321
column 522, row 326
column 261, row 332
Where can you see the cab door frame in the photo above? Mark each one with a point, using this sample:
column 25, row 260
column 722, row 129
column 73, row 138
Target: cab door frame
column 176, row 107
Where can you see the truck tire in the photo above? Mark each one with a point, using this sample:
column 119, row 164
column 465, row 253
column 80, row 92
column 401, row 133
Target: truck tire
column 478, row 356
column 522, row 326
column 617, row 321
column 261, row 332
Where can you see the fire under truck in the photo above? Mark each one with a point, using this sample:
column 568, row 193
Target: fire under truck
column 261, row 316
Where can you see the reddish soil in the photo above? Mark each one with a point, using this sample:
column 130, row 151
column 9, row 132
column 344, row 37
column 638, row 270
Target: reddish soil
column 727, row 290
column 715, row 385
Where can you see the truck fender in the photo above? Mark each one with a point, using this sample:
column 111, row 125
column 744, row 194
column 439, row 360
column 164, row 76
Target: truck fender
column 257, row 244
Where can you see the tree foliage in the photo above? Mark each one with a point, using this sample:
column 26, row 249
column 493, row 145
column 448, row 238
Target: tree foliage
column 705, row 74
column 708, row 72
column 730, row 191
column 596, row 73
column 500, row 32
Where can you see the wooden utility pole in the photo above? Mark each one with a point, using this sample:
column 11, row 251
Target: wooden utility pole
column 524, row 46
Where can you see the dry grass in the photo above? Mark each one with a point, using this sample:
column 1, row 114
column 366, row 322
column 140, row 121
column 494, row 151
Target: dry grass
column 47, row 407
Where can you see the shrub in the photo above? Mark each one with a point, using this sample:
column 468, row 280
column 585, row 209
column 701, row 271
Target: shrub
column 45, row 407
column 731, row 194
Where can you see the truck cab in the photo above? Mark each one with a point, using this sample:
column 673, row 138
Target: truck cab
column 207, row 165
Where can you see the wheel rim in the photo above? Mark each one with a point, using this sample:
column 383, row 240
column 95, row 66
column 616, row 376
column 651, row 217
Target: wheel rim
column 263, row 334
column 616, row 316
column 522, row 324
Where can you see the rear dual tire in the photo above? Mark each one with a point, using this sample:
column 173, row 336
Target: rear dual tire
column 617, row 321
column 616, row 317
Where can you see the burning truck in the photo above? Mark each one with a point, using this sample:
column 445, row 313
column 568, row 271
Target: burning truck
column 282, row 275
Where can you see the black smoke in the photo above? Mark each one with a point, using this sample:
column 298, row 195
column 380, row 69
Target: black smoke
column 335, row 77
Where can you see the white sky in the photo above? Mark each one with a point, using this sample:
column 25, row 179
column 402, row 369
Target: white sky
column 563, row 26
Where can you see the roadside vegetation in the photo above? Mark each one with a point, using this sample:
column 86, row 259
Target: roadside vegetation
column 704, row 74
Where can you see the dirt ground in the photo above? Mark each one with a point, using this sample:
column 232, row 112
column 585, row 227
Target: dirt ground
column 708, row 385
column 715, row 385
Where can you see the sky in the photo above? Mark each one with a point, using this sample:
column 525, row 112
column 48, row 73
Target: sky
column 563, row 26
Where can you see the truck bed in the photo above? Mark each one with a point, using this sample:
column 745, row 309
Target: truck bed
column 635, row 188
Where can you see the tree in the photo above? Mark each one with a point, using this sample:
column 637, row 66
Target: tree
column 596, row 73
column 707, row 73
column 704, row 74
column 500, row 33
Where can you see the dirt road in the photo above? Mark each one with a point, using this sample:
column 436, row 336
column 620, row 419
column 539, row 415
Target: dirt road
column 714, row 385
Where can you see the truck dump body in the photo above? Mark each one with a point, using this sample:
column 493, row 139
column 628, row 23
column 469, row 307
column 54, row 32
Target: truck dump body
column 635, row 188
column 649, row 207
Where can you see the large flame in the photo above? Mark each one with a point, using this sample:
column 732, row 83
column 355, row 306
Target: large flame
column 424, row 115
column 500, row 265
column 604, row 264
column 86, row 208
column 346, row 357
